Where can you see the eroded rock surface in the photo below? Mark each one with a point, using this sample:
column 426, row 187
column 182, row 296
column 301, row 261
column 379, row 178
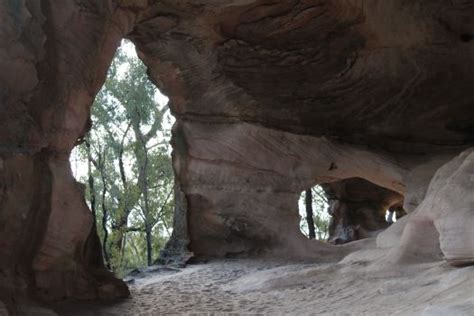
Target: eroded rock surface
column 270, row 98
column 443, row 223
column 53, row 60
column 358, row 209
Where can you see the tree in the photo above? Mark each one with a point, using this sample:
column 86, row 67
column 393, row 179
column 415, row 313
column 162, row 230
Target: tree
column 130, row 176
column 316, row 217
column 309, row 214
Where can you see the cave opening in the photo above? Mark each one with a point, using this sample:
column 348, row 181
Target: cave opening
column 314, row 218
column 347, row 210
column 124, row 162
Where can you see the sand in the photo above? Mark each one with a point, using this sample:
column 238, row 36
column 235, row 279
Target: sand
column 270, row 287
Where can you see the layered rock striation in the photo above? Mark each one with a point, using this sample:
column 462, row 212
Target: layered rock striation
column 270, row 98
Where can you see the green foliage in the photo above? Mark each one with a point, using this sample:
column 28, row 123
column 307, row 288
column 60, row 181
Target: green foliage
column 130, row 176
column 320, row 215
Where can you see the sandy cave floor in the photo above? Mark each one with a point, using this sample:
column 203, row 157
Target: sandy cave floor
column 268, row 287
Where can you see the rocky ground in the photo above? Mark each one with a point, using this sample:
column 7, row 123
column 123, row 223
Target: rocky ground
column 269, row 287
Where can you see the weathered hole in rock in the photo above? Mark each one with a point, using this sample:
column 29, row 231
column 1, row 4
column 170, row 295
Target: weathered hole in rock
column 124, row 162
column 358, row 209
column 312, row 206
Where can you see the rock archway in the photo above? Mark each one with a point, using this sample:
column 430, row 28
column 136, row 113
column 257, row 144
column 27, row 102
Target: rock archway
column 269, row 98
column 360, row 209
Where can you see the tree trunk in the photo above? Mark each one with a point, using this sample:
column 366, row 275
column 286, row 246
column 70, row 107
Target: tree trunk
column 104, row 212
column 93, row 198
column 141, row 151
column 104, row 227
column 121, row 224
column 91, row 182
column 149, row 249
column 309, row 214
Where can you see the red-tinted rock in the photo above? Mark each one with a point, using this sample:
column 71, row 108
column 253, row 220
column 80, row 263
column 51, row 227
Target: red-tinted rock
column 270, row 98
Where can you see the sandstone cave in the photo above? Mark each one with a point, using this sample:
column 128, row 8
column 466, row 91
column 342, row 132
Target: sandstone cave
column 347, row 210
column 372, row 100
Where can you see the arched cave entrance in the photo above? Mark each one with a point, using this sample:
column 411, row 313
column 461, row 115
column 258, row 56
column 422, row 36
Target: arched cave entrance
column 347, row 210
column 124, row 162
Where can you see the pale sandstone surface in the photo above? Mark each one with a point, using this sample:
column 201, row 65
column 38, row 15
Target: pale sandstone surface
column 442, row 226
column 269, row 287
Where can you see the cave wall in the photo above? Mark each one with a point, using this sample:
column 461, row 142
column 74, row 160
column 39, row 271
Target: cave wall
column 54, row 58
column 241, row 199
column 269, row 99
column 441, row 227
column 272, row 98
column 351, row 70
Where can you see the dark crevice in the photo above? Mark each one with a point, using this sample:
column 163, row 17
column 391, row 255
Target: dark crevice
column 466, row 37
